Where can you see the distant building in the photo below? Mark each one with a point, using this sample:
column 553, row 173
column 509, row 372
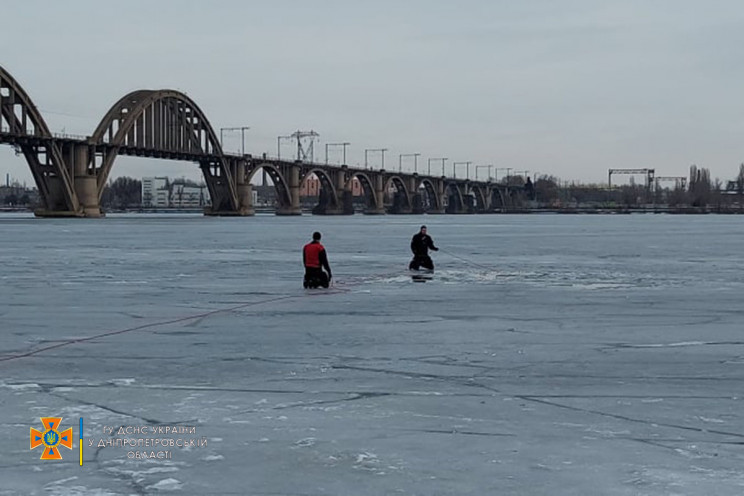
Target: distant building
column 311, row 187
column 186, row 196
column 263, row 195
column 160, row 192
column 16, row 194
column 155, row 192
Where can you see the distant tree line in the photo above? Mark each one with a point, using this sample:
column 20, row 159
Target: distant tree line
column 122, row 193
column 546, row 191
column 700, row 192
column 14, row 199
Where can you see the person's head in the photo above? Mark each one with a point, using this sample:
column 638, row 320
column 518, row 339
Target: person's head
column 316, row 236
column 423, row 229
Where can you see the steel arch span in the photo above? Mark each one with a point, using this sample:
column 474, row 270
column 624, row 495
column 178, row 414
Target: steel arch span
column 400, row 187
column 164, row 124
column 481, row 198
column 433, row 200
column 328, row 192
column 453, row 191
column 374, row 204
column 283, row 195
column 71, row 172
column 23, row 126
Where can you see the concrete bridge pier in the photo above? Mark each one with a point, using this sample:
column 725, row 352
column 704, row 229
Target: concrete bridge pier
column 409, row 190
column 439, row 208
column 344, row 194
column 84, row 185
column 332, row 195
column 379, row 193
column 456, row 198
column 293, row 183
column 417, row 203
column 245, row 191
column 486, row 196
column 417, row 199
column 85, row 181
column 401, row 204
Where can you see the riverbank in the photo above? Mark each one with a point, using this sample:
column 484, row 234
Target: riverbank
column 650, row 209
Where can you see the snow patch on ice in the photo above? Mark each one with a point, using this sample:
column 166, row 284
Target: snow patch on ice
column 19, row 387
column 123, row 382
column 62, row 481
column 59, row 490
column 167, row 485
column 304, row 443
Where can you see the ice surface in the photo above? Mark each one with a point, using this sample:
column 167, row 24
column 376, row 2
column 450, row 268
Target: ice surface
column 550, row 355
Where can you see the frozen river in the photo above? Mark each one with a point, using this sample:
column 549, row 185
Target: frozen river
column 550, row 355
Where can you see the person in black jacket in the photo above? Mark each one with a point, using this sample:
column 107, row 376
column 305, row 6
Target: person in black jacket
column 420, row 246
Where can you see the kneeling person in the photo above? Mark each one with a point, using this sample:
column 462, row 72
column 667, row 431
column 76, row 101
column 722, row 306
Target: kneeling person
column 315, row 259
column 420, row 246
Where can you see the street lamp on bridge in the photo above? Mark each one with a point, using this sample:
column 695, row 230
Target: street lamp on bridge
column 381, row 150
column 344, row 144
column 489, row 167
column 467, row 170
column 242, row 136
column 496, row 175
column 433, row 159
column 415, row 161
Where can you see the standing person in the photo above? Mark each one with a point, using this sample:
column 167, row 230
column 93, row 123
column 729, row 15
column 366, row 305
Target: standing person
column 420, row 246
column 315, row 259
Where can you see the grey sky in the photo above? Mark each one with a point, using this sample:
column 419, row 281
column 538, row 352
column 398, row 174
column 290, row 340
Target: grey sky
column 567, row 88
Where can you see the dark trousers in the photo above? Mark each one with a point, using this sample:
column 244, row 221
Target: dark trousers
column 315, row 277
column 421, row 261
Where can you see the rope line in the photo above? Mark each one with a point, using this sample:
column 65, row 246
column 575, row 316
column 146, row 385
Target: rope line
column 337, row 287
column 145, row 326
column 168, row 322
column 476, row 264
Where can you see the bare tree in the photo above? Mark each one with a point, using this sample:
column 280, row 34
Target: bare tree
column 699, row 186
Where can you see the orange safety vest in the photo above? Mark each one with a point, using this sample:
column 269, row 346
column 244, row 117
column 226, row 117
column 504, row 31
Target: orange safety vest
column 312, row 254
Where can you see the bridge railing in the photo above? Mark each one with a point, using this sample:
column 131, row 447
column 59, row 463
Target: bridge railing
column 27, row 132
column 270, row 158
column 67, row 136
column 78, row 137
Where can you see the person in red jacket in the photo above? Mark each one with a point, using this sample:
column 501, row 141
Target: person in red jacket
column 315, row 259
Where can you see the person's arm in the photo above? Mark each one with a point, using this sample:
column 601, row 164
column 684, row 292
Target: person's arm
column 431, row 245
column 413, row 244
column 324, row 262
column 304, row 258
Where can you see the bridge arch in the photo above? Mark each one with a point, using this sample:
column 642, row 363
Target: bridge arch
column 26, row 129
column 434, row 202
column 163, row 124
column 453, row 192
column 328, row 193
column 368, row 188
column 481, row 203
column 283, row 195
column 498, row 200
column 402, row 192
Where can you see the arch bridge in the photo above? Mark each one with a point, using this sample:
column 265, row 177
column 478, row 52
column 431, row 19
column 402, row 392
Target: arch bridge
column 71, row 172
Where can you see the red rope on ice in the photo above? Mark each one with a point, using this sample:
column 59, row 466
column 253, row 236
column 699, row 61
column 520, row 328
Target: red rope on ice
column 164, row 323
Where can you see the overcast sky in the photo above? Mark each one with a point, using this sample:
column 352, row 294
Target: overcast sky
column 568, row 88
